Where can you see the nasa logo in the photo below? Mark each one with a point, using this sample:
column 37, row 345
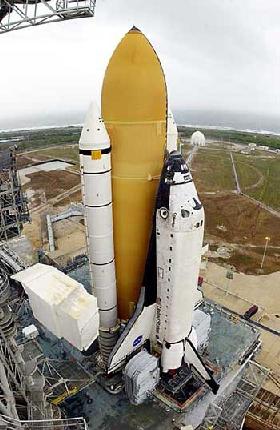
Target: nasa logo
column 137, row 341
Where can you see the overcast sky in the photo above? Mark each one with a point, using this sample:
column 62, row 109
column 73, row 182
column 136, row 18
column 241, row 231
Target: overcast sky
column 216, row 54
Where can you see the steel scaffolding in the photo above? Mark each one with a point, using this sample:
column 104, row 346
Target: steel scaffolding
column 17, row 14
column 230, row 411
column 21, row 384
column 13, row 203
column 265, row 410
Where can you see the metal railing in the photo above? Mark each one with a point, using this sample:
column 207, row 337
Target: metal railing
column 52, row 424
column 18, row 14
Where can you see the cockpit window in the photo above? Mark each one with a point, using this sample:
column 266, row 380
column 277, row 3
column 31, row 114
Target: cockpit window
column 198, row 205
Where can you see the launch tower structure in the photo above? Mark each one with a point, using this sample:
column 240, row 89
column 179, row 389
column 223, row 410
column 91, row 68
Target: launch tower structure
column 18, row 14
column 13, row 203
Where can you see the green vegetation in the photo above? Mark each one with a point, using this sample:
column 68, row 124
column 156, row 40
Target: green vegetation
column 34, row 139
column 269, row 190
column 212, row 171
column 248, row 174
column 261, row 176
column 234, row 136
column 70, row 153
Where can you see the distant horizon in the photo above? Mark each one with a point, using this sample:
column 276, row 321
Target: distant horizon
column 247, row 121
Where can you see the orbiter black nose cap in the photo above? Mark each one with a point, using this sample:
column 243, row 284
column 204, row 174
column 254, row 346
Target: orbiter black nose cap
column 175, row 154
column 176, row 163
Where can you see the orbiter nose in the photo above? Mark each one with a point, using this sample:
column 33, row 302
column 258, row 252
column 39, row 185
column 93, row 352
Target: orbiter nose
column 176, row 169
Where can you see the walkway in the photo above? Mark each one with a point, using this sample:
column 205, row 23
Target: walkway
column 238, row 189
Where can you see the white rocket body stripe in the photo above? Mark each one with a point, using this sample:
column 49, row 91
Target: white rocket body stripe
column 179, row 241
column 172, row 133
column 97, row 198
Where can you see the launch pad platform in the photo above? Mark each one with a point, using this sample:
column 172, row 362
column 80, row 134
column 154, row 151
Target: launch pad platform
column 232, row 345
column 72, row 378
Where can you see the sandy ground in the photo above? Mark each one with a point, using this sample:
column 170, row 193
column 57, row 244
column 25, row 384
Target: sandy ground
column 49, row 188
column 242, row 292
column 46, row 167
column 69, row 239
column 236, row 221
column 32, row 231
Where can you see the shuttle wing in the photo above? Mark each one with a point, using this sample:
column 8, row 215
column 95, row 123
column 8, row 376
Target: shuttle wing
column 135, row 334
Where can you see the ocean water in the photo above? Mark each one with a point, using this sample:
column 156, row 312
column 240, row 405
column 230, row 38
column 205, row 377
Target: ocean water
column 224, row 120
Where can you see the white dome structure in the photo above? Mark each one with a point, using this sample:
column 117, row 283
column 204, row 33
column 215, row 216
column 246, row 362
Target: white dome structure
column 198, row 139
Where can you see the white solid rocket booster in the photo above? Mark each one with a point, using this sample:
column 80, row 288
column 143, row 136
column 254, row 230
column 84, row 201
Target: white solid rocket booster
column 172, row 133
column 95, row 162
column 180, row 229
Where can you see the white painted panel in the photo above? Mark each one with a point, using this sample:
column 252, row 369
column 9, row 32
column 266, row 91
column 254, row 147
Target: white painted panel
column 104, row 281
column 99, row 220
column 98, row 191
column 101, row 249
column 95, row 166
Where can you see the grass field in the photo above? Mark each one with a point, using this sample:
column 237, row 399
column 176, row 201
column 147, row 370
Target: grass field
column 265, row 172
column 234, row 136
column 230, row 218
column 70, row 153
column 212, row 171
column 35, row 139
column 248, row 174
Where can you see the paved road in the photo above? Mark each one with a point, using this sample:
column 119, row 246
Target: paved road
column 238, row 189
column 191, row 155
column 255, row 323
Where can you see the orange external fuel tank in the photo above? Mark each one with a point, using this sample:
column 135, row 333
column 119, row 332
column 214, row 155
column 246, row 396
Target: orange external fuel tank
column 134, row 109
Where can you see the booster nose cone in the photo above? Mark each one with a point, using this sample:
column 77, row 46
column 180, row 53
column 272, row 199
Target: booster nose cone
column 94, row 134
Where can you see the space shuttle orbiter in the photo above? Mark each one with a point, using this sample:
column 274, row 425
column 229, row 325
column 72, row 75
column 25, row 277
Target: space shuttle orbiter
column 165, row 311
